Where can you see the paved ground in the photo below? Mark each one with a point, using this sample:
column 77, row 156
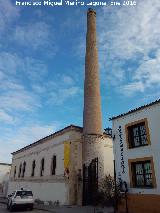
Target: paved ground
column 4, row 210
column 77, row 209
column 72, row 209
column 58, row 209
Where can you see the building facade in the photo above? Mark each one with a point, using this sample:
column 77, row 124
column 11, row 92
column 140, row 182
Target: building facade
column 4, row 177
column 52, row 167
column 136, row 151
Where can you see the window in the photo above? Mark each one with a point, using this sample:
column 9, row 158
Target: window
column 33, row 167
column 23, row 193
column 137, row 134
column 14, row 171
column 53, row 165
column 142, row 173
column 24, row 169
column 42, row 167
column 20, row 168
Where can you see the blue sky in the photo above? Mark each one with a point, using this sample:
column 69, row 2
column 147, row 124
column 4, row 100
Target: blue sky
column 42, row 53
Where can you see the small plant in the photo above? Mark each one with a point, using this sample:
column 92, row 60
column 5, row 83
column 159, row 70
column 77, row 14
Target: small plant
column 108, row 193
column 50, row 203
column 56, row 203
column 39, row 202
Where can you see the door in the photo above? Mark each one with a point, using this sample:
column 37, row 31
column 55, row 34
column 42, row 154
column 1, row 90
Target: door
column 90, row 182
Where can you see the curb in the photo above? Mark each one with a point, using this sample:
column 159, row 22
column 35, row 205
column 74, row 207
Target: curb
column 3, row 201
column 47, row 210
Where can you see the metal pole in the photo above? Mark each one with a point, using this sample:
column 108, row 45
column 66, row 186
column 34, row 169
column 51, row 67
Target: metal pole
column 115, row 187
column 126, row 202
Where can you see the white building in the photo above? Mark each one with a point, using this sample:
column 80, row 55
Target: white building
column 136, row 145
column 52, row 166
column 4, row 177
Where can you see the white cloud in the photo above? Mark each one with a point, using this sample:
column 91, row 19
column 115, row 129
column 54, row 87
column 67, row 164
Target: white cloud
column 6, row 118
column 128, row 37
column 131, row 88
column 9, row 63
column 149, row 71
column 67, row 80
column 34, row 35
column 12, row 64
column 14, row 95
column 10, row 84
column 8, row 12
column 23, row 136
column 59, row 96
column 19, row 100
column 34, row 69
column 33, row 132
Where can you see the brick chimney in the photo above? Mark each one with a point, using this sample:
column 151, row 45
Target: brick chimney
column 92, row 117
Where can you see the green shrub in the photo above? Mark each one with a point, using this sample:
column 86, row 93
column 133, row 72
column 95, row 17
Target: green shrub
column 108, row 192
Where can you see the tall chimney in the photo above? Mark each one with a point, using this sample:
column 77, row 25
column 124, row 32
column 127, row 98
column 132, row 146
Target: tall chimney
column 93, row 138
column 92, row 117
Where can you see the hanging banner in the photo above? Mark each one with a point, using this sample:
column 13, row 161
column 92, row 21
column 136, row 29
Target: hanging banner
column 66, row 158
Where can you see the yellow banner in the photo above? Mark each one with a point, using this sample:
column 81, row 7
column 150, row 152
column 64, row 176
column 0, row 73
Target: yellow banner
column 66, row 155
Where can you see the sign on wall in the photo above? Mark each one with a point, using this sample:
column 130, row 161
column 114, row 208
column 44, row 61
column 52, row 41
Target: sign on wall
column 66, row 158
column 121, row 150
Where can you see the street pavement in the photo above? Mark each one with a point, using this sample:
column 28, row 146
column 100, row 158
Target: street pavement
column 3, row 209
column 60, row 210
column 75, row 209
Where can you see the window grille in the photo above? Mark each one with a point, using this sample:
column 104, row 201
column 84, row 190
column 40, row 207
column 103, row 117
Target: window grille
column 142, row 174
column 24, row 169
column 42, row 167
column 20, row 168
column 14, row 171
column 137, row 135
column 53, row 166
column 33, row 168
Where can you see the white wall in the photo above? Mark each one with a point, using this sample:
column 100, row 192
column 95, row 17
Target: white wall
column 44, row 150
column 4, row 178
column 152, row 114
column 48, row 187
column 43, row 190
column 4, row 169
column 108, row 156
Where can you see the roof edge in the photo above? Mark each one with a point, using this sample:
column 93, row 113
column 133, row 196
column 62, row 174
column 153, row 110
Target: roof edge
column 57, row 133
column 6, row 164
column 135, row 110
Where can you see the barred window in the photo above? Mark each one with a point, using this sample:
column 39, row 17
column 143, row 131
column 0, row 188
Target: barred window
column 42, row 167
column 33, row 168
column 14, row 171
column 24, row 169
column 20, row 169
column 137, row 135
column 53, row 165
column 142, row 174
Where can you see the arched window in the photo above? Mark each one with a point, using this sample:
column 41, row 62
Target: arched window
column 20, row 169
column 24, row 169
column 14, row 171
column 53, row 165
column 42, row 167
column 33, row 168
